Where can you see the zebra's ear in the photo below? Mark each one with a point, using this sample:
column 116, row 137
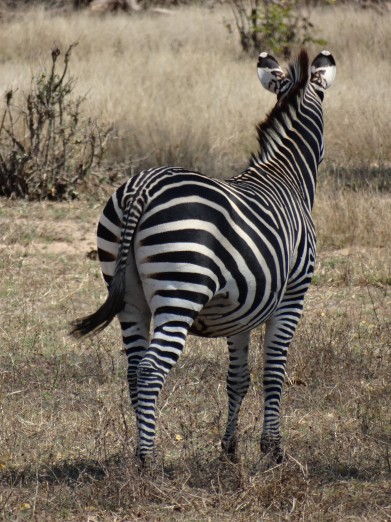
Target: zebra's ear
column 270, row 73
column 323, row 70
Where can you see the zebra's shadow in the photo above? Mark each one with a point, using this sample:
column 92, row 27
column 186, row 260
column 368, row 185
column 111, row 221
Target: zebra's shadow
column 120, row 468
column 196, row 471
column 67, row 472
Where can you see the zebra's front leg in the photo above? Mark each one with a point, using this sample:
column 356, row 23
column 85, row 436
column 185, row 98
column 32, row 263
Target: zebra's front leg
column 238, row 381
column 279, row 333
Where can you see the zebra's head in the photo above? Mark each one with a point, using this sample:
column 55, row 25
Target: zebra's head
column 273, row 78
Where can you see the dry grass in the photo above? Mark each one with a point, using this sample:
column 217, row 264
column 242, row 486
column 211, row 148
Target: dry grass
column 66, row 430
column 177, row 89
column 67, row 433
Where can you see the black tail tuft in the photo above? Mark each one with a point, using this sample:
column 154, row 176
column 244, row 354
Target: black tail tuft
column 98, row 321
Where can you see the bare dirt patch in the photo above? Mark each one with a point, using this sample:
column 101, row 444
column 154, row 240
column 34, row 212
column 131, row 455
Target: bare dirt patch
column 46, row 234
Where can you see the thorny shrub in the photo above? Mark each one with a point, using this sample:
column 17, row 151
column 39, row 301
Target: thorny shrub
column 46, row 147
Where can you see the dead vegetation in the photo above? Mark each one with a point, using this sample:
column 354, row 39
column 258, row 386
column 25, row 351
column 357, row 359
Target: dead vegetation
column 47, row 148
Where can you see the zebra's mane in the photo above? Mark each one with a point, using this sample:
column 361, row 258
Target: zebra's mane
column 298, row 73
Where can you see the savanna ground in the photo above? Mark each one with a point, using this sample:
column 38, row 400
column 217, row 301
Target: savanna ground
column 177, row 90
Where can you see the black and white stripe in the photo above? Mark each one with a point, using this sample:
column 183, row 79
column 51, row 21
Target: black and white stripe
column 218, row 258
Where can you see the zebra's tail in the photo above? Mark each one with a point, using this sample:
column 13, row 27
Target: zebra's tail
column 97, row 321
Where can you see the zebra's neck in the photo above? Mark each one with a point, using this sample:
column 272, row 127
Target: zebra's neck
column 291, row 143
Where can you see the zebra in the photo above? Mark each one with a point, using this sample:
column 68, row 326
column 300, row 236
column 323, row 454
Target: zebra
column 191, row 254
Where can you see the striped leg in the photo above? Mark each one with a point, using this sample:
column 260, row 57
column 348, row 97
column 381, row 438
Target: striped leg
column 238, row 381
column 166, row 345
column 279, row 333
column 135, row 320
column 135, row 336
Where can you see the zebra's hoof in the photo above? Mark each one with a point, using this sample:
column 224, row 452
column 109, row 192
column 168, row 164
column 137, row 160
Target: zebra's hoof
column 229, row 449
column 148, row 465
column 147, row 460
column 273, row 448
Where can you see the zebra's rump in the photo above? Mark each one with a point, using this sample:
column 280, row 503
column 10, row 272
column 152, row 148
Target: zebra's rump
column 203, row 248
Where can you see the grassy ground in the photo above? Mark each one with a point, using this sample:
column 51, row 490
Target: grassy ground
column 67, row 433
column 66, row 430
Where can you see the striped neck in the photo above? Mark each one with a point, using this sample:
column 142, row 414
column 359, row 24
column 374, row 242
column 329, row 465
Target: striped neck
column 291, row 137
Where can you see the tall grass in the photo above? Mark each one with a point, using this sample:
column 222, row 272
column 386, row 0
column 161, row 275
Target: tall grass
column 178, row 90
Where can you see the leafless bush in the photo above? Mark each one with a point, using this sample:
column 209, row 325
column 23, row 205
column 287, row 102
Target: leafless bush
column 46, row 147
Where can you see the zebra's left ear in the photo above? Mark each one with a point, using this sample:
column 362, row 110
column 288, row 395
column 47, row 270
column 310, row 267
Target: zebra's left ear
column 270, row 74
column 323, row 70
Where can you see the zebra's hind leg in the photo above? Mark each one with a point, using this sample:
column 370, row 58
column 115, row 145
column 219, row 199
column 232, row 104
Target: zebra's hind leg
column 135, row 336
column 166, row 345
column 135, row 321
column 238, row 381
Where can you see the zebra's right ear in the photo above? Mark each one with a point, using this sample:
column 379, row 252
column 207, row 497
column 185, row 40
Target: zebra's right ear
column 270, row 73
column 323, row 70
